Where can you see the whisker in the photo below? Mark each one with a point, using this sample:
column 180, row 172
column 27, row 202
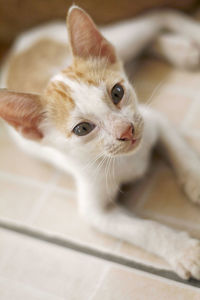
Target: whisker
column 92, row 162
column 99, row 166
column 155, row 90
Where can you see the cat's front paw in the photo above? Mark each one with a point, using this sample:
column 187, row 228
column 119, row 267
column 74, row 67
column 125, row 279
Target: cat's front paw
column 191, row 186
column 187, row 263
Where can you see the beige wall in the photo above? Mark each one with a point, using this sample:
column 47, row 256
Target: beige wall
column 17, row 15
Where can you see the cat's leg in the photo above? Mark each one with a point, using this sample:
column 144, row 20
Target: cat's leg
column 183, row 159
column 131, row 37
column 177, row 248
column 177, row 49
column 181, row 24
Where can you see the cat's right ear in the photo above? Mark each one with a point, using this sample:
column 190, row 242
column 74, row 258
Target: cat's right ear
column 85, row 39
column 23, row 111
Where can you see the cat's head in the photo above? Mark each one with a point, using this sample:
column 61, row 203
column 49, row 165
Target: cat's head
column 89, row 107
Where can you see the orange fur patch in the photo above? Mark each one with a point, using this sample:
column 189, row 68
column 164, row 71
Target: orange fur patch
column 92, row 71
column 31, row 69
column 59, row 104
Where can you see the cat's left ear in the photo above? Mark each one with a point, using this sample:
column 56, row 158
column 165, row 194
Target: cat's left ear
column 23, row 111
column 86, row 40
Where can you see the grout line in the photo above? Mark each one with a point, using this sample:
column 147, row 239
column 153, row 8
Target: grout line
column 80, row 248
column 100, row 282
column 6, row 258
column 105, row 271
column 27, row 286
column 162, row 279
column 32, row 182
column 21, row 179
column 49, row 188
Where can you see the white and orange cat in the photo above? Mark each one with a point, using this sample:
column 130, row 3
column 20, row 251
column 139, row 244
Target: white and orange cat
column 71, row 104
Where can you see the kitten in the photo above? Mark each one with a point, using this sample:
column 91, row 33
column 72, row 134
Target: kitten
column 88, row 114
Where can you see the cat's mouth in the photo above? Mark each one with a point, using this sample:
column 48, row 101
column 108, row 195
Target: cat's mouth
column 123, row 148
column 131, row 145
column 133, row 141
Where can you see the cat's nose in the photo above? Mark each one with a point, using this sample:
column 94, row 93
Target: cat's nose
column 128, row 134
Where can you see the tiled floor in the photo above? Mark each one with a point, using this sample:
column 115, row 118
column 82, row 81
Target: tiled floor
column 48, row 272
column 35, row 196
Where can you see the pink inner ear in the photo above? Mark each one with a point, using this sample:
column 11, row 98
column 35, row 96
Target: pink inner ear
column 23, row 111
column 86, row 40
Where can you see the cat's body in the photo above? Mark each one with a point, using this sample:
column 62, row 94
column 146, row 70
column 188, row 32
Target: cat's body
column 114, row 152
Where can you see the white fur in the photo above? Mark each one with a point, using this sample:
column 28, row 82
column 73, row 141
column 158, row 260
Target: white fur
column 97, row 190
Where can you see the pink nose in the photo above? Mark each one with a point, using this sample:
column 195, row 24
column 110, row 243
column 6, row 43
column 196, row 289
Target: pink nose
column 128, row 134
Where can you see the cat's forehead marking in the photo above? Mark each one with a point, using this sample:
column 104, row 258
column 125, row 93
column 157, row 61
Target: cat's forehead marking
column 62, row 90
column 92, row 71
column 80, row 76
column 60, row 104
column 86, row 97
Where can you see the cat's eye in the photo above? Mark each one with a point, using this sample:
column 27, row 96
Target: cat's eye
column 83, row 128
column 117, row 93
